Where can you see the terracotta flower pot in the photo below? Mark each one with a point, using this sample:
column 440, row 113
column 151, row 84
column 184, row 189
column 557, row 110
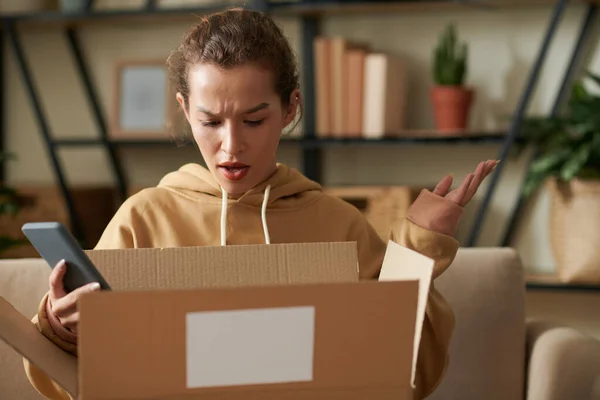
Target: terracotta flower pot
column 451, row 107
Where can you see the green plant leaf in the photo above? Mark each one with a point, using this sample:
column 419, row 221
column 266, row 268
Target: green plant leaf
column 585, row 110
column 542, row 168
column 568, row 144
column 578, row 159
column 596, row 144
column 533, row 182
column 546, row 163
column 449, row 58
column 578, row 92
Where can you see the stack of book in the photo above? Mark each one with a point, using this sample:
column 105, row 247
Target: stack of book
column 358, row 92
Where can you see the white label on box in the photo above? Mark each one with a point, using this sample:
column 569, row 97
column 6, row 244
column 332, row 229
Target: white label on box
column 251, row 346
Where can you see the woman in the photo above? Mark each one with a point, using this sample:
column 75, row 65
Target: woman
column 237, row 82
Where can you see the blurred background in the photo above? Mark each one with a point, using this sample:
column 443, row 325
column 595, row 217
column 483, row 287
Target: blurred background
column 398, row 94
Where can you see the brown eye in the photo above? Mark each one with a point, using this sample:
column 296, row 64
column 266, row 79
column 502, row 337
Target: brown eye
column 255, row 123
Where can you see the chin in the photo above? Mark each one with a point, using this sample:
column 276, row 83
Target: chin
column 241, row 185
column 236, row 188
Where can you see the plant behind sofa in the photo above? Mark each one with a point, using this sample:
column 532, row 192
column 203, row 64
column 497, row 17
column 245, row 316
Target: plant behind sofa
column 568, row 162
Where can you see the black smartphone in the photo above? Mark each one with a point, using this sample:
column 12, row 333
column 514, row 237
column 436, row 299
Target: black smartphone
column 54, row 242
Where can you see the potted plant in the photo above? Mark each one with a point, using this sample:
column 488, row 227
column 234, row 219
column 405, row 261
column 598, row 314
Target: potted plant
column 9, row 206
column 567, row 162
column 450, row 98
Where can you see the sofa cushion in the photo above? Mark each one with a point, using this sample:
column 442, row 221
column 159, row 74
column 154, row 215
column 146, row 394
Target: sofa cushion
column 485, row 287
column 23, row 282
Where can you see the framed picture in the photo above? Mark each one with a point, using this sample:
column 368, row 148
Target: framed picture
column 144, row 102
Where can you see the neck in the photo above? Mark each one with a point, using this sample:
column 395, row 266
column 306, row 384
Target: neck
column 258, row 187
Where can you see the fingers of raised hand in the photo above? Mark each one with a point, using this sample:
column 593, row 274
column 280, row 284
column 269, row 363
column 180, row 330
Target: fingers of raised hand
column 468, row 187
column 491, row 165
column 482, row 171
column 457, row 194
column 478, row 177
column 463, row 189
column 443, row 186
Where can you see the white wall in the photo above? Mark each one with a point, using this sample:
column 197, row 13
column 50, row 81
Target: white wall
column 503, row 46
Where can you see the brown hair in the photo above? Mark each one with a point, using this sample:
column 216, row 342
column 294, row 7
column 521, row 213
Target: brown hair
column 231, row 38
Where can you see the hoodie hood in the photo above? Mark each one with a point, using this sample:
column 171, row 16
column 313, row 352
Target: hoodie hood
column 286, row 188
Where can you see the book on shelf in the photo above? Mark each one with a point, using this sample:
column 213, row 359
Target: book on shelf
column 359, row 92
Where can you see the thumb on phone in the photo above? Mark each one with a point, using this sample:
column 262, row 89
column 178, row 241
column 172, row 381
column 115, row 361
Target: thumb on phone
column 57, row 288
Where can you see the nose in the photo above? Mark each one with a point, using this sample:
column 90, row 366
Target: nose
column 232, row 141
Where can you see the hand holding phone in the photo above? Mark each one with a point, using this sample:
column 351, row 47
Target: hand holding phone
column 73, row 273
column 62, row 304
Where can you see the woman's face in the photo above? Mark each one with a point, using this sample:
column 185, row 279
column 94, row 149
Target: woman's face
column 237, row 119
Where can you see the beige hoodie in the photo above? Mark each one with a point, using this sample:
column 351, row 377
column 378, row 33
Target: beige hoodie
column 188, row 208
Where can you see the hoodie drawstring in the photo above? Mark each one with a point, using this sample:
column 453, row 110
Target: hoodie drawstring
column 223, row 217
column 263, row 215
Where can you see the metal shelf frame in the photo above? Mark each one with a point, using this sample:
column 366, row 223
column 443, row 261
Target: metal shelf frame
column 576, row 60
column 570, row 74
column 310, row 144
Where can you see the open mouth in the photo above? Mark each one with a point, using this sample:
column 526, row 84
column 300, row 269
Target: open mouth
column 234, row 171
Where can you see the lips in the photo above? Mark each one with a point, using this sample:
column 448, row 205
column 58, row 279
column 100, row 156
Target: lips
column 233, row 171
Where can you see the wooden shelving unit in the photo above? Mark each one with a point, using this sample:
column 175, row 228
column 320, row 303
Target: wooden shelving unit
column 302, row 8
column 404, row 138
column 310, row 13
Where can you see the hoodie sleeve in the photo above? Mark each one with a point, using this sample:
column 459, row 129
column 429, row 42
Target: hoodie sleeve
column 428, row 228
column 117, row 235
column 60, row 337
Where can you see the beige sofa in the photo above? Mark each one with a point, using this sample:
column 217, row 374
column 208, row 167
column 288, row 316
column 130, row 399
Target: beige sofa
column 495, row 353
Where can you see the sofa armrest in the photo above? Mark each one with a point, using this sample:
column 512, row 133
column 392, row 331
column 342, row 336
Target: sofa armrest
column 562, row 363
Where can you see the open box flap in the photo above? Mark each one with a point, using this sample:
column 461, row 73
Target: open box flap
column 227, row 266
column 401, row 264
column 23, row 336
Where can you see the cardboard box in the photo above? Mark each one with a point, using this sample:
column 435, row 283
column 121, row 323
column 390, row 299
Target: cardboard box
column 278, row 321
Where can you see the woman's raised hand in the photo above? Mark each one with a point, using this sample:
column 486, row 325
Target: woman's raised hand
column 467, row 189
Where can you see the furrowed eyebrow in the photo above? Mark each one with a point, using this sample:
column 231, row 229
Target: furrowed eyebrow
column 259, row 107
column 204, row 110
column 252, row 110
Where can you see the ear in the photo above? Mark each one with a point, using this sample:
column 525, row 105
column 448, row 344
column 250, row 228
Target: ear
column 292, row 108
column 181, row 101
